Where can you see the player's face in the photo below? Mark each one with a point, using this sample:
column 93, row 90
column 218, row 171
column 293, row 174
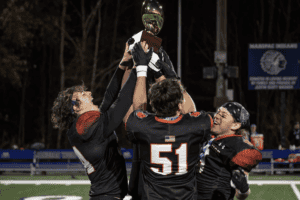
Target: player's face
column 223, row 122
column 296, row 126
column 84, row 98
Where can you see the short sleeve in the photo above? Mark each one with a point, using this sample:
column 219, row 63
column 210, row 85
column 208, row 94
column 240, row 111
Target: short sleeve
column 247, row 159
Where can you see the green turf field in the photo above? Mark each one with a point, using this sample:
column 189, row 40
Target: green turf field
column 17, row 187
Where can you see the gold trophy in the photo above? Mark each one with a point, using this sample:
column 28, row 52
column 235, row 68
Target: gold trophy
column 153, row 19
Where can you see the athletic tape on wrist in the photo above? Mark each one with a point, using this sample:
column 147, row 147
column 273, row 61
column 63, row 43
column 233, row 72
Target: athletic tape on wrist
column 141, row 68
column 138, row 74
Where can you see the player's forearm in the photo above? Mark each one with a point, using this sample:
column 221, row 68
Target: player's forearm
column 112, row 90
column 188, row 105
column 140, row 96
column 160, row 79
column 120, row 107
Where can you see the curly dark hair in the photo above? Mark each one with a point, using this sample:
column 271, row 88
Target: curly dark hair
column 165, row 96
column 62, row 116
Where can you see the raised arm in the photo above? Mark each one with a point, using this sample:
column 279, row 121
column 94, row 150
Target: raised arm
column 114, row 85
column 119, row 108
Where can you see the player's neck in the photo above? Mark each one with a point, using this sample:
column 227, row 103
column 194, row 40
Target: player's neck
column 227, row 133
column 91, row 108
column 173, row 117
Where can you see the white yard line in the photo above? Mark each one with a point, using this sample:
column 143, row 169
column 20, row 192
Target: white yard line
column 296, row 191
column 271, row 182
column 87, row 182
column 49, row 182
column 39, row 182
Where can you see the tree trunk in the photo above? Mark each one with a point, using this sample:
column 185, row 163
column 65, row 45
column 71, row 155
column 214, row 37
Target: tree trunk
column 84, row 39
column 62, row 67
column 50, row 102
column 96, row 51
column 43, row 95
column 271, row 19
column 262, row 21
column 288, row 20
column 115, row 32
column 22, row 112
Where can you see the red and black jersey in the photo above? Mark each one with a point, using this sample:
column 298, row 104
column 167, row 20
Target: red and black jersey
column 225, row 154
column 95, row 142
column 169, row 152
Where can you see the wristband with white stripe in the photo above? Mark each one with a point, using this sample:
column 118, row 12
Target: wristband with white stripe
column 141, row 70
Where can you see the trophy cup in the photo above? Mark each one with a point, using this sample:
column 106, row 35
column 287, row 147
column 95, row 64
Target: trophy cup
column 153, row 19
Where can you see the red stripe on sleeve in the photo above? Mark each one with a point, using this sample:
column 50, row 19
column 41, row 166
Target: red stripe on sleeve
column 247, row 157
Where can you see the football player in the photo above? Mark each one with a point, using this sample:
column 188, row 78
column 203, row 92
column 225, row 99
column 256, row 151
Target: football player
column 168, row 141
column 226, row 156
column 91, row 131
column 163, row 68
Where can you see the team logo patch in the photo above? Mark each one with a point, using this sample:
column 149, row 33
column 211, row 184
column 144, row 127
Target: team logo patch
column 195, row 114
column 169, row 138
column 141, row 115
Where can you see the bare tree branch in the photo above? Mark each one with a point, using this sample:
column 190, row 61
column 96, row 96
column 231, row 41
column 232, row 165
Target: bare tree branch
column 115, row 32
column 69, row 37
column 62, row 67
column 93, row 13
column 96, row 51
column 106, row 71
column 76, row 10
column 271, row 18
column 108, row 68
column 84, row 37
column 288, row 21
column 261, row 28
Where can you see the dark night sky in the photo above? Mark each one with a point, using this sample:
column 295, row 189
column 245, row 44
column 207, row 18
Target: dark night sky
column 198, row 46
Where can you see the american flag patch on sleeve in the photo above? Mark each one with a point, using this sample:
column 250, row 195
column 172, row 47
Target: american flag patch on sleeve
column 169, row 138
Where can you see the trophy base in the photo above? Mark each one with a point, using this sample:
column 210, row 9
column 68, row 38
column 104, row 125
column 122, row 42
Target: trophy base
column 152, row 41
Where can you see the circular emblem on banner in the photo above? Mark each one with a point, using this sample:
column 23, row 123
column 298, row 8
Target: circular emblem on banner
column 273, row 62
column 53, row 197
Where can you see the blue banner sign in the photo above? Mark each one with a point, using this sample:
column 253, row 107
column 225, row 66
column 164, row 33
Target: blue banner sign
column 273, row 66
column 16, row 154
column 274, row 153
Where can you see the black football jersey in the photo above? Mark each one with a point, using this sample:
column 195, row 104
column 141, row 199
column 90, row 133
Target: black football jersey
column 169, row 152
column 224, row 154
column 95, row 143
